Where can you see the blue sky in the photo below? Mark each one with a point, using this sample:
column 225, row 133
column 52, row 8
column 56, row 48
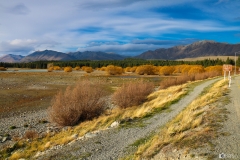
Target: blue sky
column 127, row 27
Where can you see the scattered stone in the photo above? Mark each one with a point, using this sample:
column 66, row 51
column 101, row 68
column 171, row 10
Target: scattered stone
column 4, row 139
column 90, row 135
column 74, row 136
column 114, row 124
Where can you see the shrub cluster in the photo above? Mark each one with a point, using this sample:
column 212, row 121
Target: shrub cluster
column 68, row 69
column 167, row 70
column 147, row 69
column 77, row 68
column 132, row 94
column 185, row 78
column 87, row 69
column 81, row 102
column 114, row 70
column 56, row 68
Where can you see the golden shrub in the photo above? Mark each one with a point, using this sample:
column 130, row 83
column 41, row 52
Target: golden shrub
column 68, row 69
column 77, row 68
column 50, row 69
column 196, row 70
column 145, row 69
column 218, row 69
column 133, row 69
column 56, row 68
column 114, row 70
column 127, row 69
column 88, row 69
column 103, row 68
column 186, row 69
column 167, row 70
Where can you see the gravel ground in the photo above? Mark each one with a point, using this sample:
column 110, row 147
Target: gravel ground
column 16, row 126
column 114, row 143
column 229, row 146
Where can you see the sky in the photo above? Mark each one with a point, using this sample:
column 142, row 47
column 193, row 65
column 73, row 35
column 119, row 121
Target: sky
column 127, row 27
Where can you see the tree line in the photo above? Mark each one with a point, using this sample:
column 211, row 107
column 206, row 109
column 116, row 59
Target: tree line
column 129, row 62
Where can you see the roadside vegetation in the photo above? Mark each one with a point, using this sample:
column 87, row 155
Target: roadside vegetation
column 194, row 127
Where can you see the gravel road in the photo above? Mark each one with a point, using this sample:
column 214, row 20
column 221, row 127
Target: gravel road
column 229, row 146
column 114, row 143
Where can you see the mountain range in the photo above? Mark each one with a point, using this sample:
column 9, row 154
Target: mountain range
column 197, row 49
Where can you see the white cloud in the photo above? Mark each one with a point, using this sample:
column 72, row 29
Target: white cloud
column 24, row 46
column 61, row 25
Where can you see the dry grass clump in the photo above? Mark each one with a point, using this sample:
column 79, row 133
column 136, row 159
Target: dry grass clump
column 193, row 127
column 2, row 69
column 31, row 134
column 132, row 94
column 79, row 103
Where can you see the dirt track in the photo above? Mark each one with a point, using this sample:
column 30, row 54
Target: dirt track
column 229, row 146
column 114, row 143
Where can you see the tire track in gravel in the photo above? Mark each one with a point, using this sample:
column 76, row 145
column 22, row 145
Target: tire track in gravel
column 229, row 146
column 113, row 143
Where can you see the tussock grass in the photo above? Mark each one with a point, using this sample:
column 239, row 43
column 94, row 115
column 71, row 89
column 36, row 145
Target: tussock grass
column 83, row 102
column 192, row 128
column 132, row 93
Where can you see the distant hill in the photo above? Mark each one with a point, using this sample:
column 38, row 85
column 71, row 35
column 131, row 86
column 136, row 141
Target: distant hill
column 91, row 55
column 47, row 55
column 198, row 49
column 11, row 58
